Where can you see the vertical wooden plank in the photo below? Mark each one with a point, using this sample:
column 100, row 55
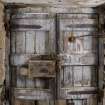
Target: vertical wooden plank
column 94, row 77
column 40, row 42
column 88, row 43
column 101, row 63
column 21, row 80
column 67, row 46
column 62, row 41
column 93, row 100
column 68, row 78
column 20, row 42
column 78, row 75
column 86, row 76
column 14, row 76
column 52, row 39
column 29, row 83
column 13, row 42
column 30, row 42
column 40, row 83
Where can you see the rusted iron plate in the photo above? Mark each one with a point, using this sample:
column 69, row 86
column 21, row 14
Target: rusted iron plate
column 41, row 68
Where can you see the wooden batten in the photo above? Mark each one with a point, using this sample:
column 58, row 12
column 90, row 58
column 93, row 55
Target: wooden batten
column 23, row 102
column 39, row 102
column 33, row 94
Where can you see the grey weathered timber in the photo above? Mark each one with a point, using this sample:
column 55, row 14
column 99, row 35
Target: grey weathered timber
column 32, row 38
column 78, row 57
column 101, row 63
column 91, row 100
column 84, row 30
column 78, row 76
column 33, row 34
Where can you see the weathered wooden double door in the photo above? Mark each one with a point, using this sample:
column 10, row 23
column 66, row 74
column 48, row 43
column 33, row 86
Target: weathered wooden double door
column 54, row 57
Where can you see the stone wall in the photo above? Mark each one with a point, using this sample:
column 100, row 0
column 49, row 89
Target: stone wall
column 2, row 52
